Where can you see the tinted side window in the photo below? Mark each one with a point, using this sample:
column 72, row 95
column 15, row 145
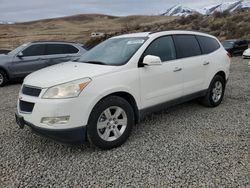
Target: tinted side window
column 53, row 49
column 34, row 50
column 187, row 46
column 243, row 43
column 162, row 47
column 208, row 44
column 71, row 49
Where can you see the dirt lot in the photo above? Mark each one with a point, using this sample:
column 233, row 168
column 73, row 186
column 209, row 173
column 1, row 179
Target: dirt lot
column 187, row 145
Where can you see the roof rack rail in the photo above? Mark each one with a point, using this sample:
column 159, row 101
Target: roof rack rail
column 176, row 30
column 54, row 41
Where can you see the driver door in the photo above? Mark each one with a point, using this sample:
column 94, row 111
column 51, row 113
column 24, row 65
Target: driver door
column 161, row 83
column 32, row 59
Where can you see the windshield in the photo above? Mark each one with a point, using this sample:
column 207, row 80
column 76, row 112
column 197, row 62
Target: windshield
column 18, row 49
column 115, row 51
column 228, row 44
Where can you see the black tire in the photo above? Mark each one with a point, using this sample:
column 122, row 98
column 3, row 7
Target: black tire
column 92, row 131
column 208, row 99
column 3, row 78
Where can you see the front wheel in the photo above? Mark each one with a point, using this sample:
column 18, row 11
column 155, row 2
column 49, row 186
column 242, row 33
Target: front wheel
column 110, row 122
column 215, row 92
column 3, row 78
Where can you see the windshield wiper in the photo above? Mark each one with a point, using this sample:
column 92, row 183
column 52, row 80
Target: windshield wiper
column 95, row 62
column 76, row 59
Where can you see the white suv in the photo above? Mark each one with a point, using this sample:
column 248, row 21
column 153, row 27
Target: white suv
column 104, row 93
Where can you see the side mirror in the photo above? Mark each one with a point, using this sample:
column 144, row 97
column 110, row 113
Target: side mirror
column 20, row 54
column 151, row 60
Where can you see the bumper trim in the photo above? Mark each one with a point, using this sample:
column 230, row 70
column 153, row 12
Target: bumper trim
column 71, row 136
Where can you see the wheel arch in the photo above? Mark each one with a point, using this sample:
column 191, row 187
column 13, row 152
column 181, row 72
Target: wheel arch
column 131, row 100
column 222, row 74
column 128, row 97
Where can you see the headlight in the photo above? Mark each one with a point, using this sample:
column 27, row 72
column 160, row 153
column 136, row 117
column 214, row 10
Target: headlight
column 67, row 90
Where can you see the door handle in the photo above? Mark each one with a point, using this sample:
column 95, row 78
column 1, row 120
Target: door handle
column 206, row 63
column 177, row 69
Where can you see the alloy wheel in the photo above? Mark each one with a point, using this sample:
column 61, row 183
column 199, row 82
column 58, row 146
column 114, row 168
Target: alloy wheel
column 112, row 123
column 1, row 79
column 217, row 91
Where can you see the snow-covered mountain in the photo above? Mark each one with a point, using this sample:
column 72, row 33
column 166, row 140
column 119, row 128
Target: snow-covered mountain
column 179, row 10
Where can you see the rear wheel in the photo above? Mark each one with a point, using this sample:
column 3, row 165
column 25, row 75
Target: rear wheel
column 110, row 122
column 3, row 78
column 215, row 92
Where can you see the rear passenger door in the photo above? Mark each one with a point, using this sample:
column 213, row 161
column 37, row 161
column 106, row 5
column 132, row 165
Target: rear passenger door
column 59, row 53
column 161, row 83
column 193, row 63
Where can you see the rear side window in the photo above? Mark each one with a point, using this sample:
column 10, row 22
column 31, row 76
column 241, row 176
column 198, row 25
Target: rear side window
column 71, row 49
column 34, row 50
column 162, row 47
column 186, row 46
column 208, row 44
column 55, row 49
column 243, row 43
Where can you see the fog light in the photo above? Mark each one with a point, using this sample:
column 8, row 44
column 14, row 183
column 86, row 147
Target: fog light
column 55, row 120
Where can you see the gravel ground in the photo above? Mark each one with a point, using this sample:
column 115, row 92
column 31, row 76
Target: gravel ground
column 187, row 145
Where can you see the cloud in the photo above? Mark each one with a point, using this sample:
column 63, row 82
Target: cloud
column 26, row 10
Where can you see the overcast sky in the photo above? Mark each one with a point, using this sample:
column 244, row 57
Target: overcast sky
column 26, row 10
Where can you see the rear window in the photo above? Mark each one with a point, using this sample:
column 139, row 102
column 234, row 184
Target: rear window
column 243, row 42
column 208, row 44
column 71, row 49
column 186, row 46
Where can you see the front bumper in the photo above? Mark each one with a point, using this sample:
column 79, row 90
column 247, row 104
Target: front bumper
column 70, row 136
column 245, row 56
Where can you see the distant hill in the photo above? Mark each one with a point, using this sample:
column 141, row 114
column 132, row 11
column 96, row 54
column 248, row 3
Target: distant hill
column 233, row 6
column 223, row 25
column 73, row 28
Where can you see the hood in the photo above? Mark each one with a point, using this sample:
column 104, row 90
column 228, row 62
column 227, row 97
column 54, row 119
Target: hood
column 247, row 52
column 4, row 58
column 66, row 72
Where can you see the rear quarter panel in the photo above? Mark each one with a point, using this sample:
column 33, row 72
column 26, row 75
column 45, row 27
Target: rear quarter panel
column 219, row 61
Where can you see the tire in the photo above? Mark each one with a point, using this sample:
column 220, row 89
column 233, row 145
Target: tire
column 3, row 78
column 215, row 92
column 105, row 129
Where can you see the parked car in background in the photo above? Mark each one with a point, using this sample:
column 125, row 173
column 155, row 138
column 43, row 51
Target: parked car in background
column 235, row 46
column 119, row 81
column 246, row 53
column 4, row 51
column 97, row 34
column 33, row 56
